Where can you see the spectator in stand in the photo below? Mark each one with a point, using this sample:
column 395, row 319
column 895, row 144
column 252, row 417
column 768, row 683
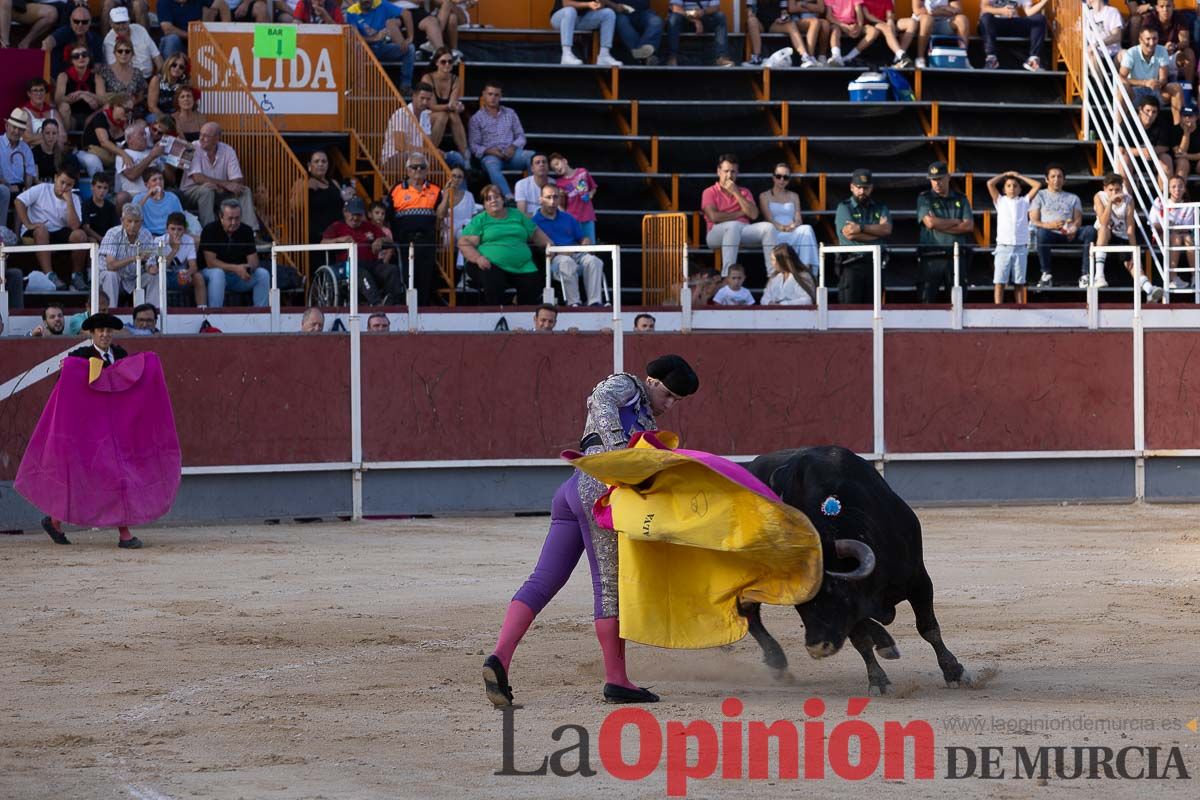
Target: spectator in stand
column 640, row 31
column 1182, row 222
column 1174, row 34
column 1056, row 218
column 898, row 34
column 1002, row 18
column 790, row 283
column 312, row 321
column 354, row 227
column 497, row 139
column 18, row 168
column 860, row 220
column 1108, row 19
column 328, row 12
column 174, row 17
column 545, row 317
column 179, row 251
column 122, row 77
column 847, row 19
column 1158, row 132
column 447, row 108
column 774, row 17
column 407, row 128
column 380, row 21
column 734, row 292
column 1185, row 144
column 76, row 89
column 729, row 211
column 1115, row 225
column 124, row 250
column 325, row 199
column 145, row 320
column 495, row 245
column 160, row 96
column 146, row 58
column 50, row 153
column 49, row 213
column 138, row 11
column 579, row 191
column 229, row 258
column 249, row 10
column 1012, row 233
column 562, row 229
column 75, row 321
column 38, row 18
column 781, row 207
column 946, row 219
column 528, row 191
column 75, row 33
column 378, row 323
column 462, row 206
column 704, row 15
column 54, row 322
column 938, row 18
column 643, row 323
column 137, row 156
column 39, row 109
column 418, row 208
column 568, row 16
column 377, row 212
column 99, row 213
column 216, row 174
column 103, row 130
column 158, row 205
column 188, row 120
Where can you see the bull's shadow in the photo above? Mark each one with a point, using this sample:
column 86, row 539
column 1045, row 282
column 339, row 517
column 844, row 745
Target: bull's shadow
column 871, row 541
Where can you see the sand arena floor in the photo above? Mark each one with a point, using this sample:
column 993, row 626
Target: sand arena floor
column 342, row 661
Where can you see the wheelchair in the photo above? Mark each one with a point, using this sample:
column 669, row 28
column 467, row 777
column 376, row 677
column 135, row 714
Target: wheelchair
column 329, row 286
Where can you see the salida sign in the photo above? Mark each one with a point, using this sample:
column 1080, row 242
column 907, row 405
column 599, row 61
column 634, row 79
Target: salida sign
column 301, row 93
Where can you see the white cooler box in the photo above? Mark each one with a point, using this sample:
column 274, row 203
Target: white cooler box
column 870, row 87
column 944, row 53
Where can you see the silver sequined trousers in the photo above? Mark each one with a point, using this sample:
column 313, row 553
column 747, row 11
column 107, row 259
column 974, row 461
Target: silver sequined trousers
column 604, row 542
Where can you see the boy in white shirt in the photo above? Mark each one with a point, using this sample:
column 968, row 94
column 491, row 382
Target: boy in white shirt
column 734, row 293
column 180, row 250
column 1115, row 224
column 1012, row 233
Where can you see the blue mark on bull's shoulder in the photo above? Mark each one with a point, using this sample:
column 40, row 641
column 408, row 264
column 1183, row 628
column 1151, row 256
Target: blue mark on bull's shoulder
column 831, row 506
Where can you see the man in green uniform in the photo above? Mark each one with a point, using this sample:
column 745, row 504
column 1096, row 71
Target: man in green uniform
column 860, row 220
column 945, row 218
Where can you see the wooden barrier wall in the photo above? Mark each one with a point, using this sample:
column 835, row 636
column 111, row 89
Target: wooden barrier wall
column 271, row 399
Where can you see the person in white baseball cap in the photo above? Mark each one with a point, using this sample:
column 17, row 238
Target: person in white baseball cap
column 146, row 58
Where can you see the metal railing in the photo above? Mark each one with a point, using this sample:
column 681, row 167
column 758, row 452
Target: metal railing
column 271, row 167
column 1108, row 110
column 664, row 256
column 371, row 100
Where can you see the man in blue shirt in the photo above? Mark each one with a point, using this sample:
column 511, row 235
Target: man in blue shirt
column 564, row 230
column 174, row 16
column 77, row 31
column 388, row 31
column 18, row 170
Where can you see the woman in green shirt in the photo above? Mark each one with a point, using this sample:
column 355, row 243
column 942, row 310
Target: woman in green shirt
column 495, row 245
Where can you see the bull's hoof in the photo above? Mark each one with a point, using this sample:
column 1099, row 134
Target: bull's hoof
column 878, row 690
column 964, row 681
column 891, row 652
column 822, row 650
column 783, row 676
column 777, row 661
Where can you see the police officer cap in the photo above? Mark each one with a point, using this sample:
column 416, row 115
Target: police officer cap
column 102, row 320
column 675, row 373
column 938, row 169
column 861, row 177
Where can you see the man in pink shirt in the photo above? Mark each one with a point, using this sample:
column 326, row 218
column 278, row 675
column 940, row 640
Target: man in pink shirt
column 730, row 212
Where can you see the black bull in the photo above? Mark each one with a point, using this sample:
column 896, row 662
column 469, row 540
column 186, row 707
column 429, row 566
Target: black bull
column 849, row 603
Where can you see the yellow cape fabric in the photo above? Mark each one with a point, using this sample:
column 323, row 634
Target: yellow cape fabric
column 692, row 541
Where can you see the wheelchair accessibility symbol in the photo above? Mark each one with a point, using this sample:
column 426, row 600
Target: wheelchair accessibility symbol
column 266, row 104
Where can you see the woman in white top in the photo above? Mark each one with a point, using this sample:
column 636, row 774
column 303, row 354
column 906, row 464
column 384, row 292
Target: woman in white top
column 790, row 283
column 462, row 205
column 781, row 207
column 1182, row 222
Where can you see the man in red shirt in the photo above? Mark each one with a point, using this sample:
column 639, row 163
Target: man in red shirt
column 370, row 239
column 730, row 211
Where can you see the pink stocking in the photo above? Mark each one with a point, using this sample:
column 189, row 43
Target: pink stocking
column 608, row 631
column 517, row 620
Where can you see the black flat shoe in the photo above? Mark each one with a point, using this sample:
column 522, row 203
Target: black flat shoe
column 130, row 544
column 56, row 535
column 495, row 683
column 619, row 694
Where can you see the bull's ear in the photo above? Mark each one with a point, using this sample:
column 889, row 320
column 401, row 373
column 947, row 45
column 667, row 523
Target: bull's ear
column 780, row 478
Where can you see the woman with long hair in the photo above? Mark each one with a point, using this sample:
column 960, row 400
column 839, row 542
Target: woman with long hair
column 164, row 87
column 447, row 105
column 791, row 285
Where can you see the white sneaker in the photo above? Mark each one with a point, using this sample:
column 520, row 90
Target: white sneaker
column 1101, row 283
column 1178, row 283
column 643, row 52
column 835, row 61
column 1083, row 281
column 1154, row 294
column 606, row 60
column 920, row 62
column 569, row 59
column 808, row 62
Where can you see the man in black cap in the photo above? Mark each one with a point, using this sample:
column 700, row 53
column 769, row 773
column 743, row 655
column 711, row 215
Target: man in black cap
column 860, row 220
column 618, row 407
column 945, row 218
column 101, row 327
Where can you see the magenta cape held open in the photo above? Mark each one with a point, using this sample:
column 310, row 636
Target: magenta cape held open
column 104, row 453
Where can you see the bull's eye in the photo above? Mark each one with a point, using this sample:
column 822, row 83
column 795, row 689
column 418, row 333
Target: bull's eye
column 831, row 506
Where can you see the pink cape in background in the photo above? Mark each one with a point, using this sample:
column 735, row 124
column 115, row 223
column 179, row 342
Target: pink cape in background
column 104, row 454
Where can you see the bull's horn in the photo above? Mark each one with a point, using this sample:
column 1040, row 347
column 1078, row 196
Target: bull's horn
column 860, row 551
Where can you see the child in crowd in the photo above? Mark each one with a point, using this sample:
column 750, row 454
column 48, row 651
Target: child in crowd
column 580, row 191
column 734, row 293
column 1012, row 233
column 847, row 19
column 98, row 215
column 1115, row 225
column 1182, row 221
column 377, row 213
column 179, row 248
